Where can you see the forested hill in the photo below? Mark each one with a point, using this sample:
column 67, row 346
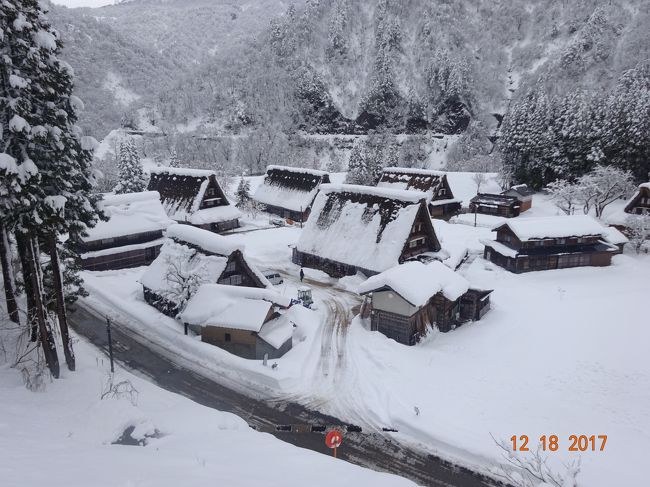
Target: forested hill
column 346, row 66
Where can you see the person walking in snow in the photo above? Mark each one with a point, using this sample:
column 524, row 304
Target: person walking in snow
column 302, row 274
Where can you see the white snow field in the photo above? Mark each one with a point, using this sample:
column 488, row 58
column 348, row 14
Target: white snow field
column 561, row 352
column 63, row 437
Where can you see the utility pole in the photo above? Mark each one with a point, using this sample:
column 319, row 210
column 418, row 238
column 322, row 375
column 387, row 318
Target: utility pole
column 110, row 343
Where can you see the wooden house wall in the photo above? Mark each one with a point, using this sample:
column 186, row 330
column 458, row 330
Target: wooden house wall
column 238, row 273
column 390, row 301
column 119, row 241
column 405, row 329
column 296, row 216
column 421, row 231
column 122, row 260
column 542, row 262
column 242, row 343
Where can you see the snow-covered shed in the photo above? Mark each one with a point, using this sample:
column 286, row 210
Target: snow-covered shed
column 556, row 242
column 495, row 204
column 409, row 298
column 131, row 237
column 639, row 203
column 191, row 257
column 290, row 191
column 362, row 228
column 440, row 198
column 523, row 194
column 245, row 321
column 194, row 197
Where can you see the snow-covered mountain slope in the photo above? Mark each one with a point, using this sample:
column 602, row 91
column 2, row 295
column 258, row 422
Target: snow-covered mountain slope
column 349, row 65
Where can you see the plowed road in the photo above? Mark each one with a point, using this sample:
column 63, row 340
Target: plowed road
column 375, row 451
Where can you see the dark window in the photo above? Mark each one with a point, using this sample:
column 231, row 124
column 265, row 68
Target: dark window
column 227, row 337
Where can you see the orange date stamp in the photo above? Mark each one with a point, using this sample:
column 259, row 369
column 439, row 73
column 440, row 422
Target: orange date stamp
column 580, row 443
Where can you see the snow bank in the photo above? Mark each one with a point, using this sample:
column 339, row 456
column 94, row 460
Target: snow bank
column 417, row 282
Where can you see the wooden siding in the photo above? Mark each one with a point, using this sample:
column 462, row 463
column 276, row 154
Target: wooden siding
column 121, row 260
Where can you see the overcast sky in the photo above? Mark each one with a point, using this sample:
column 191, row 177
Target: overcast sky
column 84, row 3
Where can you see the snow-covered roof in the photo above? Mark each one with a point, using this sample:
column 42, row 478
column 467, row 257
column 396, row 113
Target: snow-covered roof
column 182, row 171
column 241, row 308
column 407, row 178
column 177, row 259
column 129, row 214
column 214, row 215
column 500, row 248
column 182, row 192
column 292, row 188
column 553, row 227
column 204, row 239
column 381, row 192
column 417, row 282
column 614, row 236
column 521, row 189
column 191, row 251
column 361, row 226
column 313, row 172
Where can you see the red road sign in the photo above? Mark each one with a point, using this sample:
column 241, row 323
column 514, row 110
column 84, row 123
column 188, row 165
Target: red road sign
column 333, row 439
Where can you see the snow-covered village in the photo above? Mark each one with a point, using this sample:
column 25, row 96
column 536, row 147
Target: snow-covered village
column 351, row 242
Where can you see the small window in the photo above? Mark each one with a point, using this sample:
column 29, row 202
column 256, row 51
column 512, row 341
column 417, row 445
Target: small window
column 227, row 337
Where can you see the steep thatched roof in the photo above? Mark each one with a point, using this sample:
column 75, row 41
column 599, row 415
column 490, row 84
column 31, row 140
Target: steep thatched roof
column 183, row 195
column 292, row 188
column 425, row 180
column 363, row 226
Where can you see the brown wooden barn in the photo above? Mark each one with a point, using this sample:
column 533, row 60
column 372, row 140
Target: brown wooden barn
column 290, row 191
column 407, row 300
column 523, row 194
column 194, row 197
column 639, row 204
column 536, row 244
column 495, row 204
column 252, row 323
column 434, row 184
column 189, row 258
column 366, row 229
column 131, row 237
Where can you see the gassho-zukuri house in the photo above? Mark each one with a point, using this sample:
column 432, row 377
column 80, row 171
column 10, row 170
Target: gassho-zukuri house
column 409, row 299
column 252, row 323
column 558, row 242
column 289, row 192
column 639, row 203
column 362, row 228
column 191, row 257
column 440, row 198
column 194, row 197
column 131, row 237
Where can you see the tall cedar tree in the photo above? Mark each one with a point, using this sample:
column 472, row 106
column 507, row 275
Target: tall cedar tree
column 56, row 198
column 131, row 177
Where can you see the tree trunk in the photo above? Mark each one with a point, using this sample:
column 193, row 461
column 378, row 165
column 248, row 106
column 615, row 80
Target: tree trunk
column 32, row 322
column 7, row 275
column 60, row 301
column 44, row 329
